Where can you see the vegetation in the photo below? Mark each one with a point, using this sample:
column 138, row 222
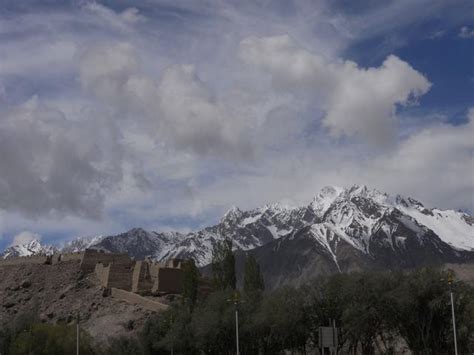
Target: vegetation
column 223, row 265
column 26, row 335
column 375, row 312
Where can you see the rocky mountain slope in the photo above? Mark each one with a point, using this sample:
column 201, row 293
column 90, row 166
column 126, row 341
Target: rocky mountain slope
column 61, row 292
column 340, row 230
column 31, row 248
column 371, row 224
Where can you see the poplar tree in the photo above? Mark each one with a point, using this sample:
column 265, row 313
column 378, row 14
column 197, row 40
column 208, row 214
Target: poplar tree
column 190, row 283
column 223, row 265
column 253, row 279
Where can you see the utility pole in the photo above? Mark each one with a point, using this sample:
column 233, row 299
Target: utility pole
column 236, row 301
column 237, row 328
column 450, row 282
column 77, row 335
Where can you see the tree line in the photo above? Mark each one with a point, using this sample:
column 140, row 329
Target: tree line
column 375, row 312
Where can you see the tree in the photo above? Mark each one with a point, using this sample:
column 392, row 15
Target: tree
column 190, row 283
column 213, row 323
column 50, row 339
column 420, row 306
column 253, row 279
column 223, row 265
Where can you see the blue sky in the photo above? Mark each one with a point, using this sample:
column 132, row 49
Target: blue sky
column 163, row 114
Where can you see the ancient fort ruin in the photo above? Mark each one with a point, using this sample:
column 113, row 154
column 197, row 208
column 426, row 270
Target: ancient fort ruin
column 119, row 275
column 141, row 276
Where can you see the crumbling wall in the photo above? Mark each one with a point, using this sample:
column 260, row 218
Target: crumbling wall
column 37, row 259
column 134, row 298
column 91, row 257
column 175, row 263
column 141, row 277
column 71, row 257
column 169, row 280
column 120, row 276
column 102, row 274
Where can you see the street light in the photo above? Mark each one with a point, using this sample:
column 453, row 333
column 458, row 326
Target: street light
column 77, row 334
column 236, row 300
column 170, row 323
column 450, row 282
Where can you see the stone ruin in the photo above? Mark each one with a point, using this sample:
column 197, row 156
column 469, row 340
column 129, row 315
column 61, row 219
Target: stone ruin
column 143, row 276
column 115, row 270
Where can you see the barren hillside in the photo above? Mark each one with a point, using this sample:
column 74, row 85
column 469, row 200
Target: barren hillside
column 57, row 293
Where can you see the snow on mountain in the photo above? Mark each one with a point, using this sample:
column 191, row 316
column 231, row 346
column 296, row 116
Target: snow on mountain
column 363, row 218
column 31, row 248
column 80, row 244
column 372, row 224
column 451, row 226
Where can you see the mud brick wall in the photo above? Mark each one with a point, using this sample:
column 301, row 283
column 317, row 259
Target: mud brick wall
column 169, row 280
column 133, row 298
column 102, row 274
column 120, row 276
column 72, row 256
column 91, row 257
column 37, row 259
column 141, row 277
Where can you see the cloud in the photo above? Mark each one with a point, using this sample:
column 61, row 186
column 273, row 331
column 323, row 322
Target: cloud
column 437, row 34
column 162, row 115
column 122, row 21
column 179, row 108
column 24, row 238
column 358, row 102
column 50, row 164
column 465, row 32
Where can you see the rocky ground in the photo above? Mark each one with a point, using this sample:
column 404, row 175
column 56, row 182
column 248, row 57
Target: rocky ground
column 58, row 293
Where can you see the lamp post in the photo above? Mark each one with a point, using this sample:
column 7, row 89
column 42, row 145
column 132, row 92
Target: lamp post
column 77, row 334
column 236, row 300
column 170, row 323
column 450, row 282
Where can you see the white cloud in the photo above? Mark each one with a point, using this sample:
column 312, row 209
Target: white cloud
column 52, row 164
column 358, row 102
column 122, row 21
column 179, row 108
column 157, row 122
column 465, row 32
column 24, row 238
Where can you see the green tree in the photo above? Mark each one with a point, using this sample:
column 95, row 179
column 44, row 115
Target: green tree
column 50, row 339
column 253, row 279
column 420, row 308
column 223, row 265
column 282, row 322
column 213, row 323
column 190, row 283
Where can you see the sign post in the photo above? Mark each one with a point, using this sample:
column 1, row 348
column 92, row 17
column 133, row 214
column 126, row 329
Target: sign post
column 328, row 339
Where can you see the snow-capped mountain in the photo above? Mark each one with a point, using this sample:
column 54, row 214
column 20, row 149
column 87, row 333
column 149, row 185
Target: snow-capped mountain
column 366, row 220
column 341, row 229
column 80, row 243
column 31, row 248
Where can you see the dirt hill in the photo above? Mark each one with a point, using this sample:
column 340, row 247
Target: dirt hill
column 58, row 293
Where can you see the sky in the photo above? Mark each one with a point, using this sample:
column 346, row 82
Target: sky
column 164, row 114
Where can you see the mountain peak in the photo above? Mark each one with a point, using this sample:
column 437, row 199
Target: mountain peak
column 233, row 214
column 322, row 201
column 33, row 247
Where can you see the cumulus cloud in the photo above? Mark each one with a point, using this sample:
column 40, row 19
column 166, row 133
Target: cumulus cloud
column 179, row 106
column 24, row 238
column 435, row 163
column 51, row 164
column 122, row 21
column 358, row 102
column 155, row 121
column 465, row 32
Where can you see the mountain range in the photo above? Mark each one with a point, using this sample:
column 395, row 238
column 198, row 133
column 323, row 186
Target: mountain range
column 340, row 230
